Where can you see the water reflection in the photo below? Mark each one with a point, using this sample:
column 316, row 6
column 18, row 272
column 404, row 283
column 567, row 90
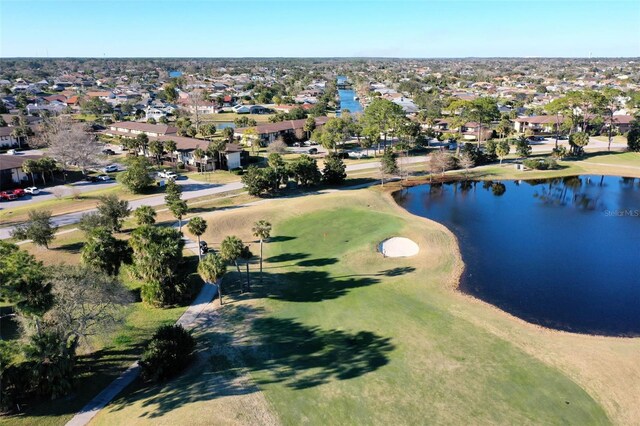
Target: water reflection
column 560, row 252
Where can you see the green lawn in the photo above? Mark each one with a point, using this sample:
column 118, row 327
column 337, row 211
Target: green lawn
column 219, row 176
column 109, row 354
column 336, row 334
column 616, row 158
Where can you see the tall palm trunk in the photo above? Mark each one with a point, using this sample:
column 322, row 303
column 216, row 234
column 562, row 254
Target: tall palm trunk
column 261, row 257
column 610, row 129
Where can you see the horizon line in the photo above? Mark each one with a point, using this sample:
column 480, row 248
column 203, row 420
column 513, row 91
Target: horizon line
column 319, row 57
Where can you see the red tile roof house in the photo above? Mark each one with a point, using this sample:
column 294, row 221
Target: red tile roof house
column 234, row 156
column 269, row 132
column 104, row 95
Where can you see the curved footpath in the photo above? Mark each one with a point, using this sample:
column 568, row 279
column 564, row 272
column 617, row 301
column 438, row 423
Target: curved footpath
column 189, row 320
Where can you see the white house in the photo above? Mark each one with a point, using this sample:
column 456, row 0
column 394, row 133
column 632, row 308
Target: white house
column 8, row 140
column 249, row 109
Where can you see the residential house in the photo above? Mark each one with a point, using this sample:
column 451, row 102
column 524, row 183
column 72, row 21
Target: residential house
column 204, row 107
column 131, row 129
column 250, row 109
column 104, row 95
column 232, row 158
column 269, row 132
column 9, row 140
column 11, row 173
column 537, row 124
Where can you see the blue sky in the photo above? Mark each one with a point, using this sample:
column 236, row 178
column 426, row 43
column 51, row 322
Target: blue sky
column 303, row 28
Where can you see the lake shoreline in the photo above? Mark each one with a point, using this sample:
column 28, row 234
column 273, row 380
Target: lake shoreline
column 456, row 282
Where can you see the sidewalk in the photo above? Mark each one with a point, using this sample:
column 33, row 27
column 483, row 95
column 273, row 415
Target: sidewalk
column 188, row 320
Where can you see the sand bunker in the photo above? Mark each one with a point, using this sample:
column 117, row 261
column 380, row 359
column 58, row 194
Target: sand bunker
column 398, row 247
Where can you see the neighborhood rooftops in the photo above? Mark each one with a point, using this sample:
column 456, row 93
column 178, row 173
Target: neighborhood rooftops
column 160, row 129
column 281, row 126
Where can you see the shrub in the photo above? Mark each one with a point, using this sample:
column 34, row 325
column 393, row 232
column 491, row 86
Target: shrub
column 237, row 171
column 168, row 353
column 540, row 164
column 334, row 172
column 559, row 152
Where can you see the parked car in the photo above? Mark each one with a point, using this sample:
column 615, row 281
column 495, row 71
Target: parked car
column 358, row 154
column 307, row 143
column 296, row 144
column 32, row 190
column 91, row 178
column 11, row 152
column 313, row 151
column 8, row 196
column 108, row 152
column 103, row 177
column 168, row 174
column 19, row 192
column 110, row 168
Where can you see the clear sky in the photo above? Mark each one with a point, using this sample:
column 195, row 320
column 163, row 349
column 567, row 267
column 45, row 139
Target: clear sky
column 303, row 28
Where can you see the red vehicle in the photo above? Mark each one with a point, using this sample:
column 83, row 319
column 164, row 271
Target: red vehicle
column 19, row 192
column 8, row 196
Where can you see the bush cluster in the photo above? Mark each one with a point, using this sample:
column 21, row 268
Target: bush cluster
column 540, row 164
column 168, row 353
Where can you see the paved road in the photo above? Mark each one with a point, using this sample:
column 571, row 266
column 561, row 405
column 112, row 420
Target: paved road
column 191, row 189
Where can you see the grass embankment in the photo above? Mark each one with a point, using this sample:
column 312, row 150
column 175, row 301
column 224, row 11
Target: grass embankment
column 108, row 355
column 337, row 334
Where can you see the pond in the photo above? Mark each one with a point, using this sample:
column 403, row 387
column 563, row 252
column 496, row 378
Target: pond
column 563, row 253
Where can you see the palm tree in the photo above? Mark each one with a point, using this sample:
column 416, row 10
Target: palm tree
column 47, row 164
column 179, row 209
column 262, row 230
column 31, row 167
column 156, row 148
column 231, row 249
column 198, row 155
column 197, row 226
column 145, row 215
column 217, row 147
column 171, row 147
column 212, row 268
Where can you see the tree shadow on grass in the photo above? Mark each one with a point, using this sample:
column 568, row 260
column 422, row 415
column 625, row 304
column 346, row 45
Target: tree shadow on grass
column 73, row 248
column 286, row 257
column 94, row 372
column 308, row 285
column 281, row 239
column 274, row 350
column 301, row 356
column 323, row 261
column 396, row 272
